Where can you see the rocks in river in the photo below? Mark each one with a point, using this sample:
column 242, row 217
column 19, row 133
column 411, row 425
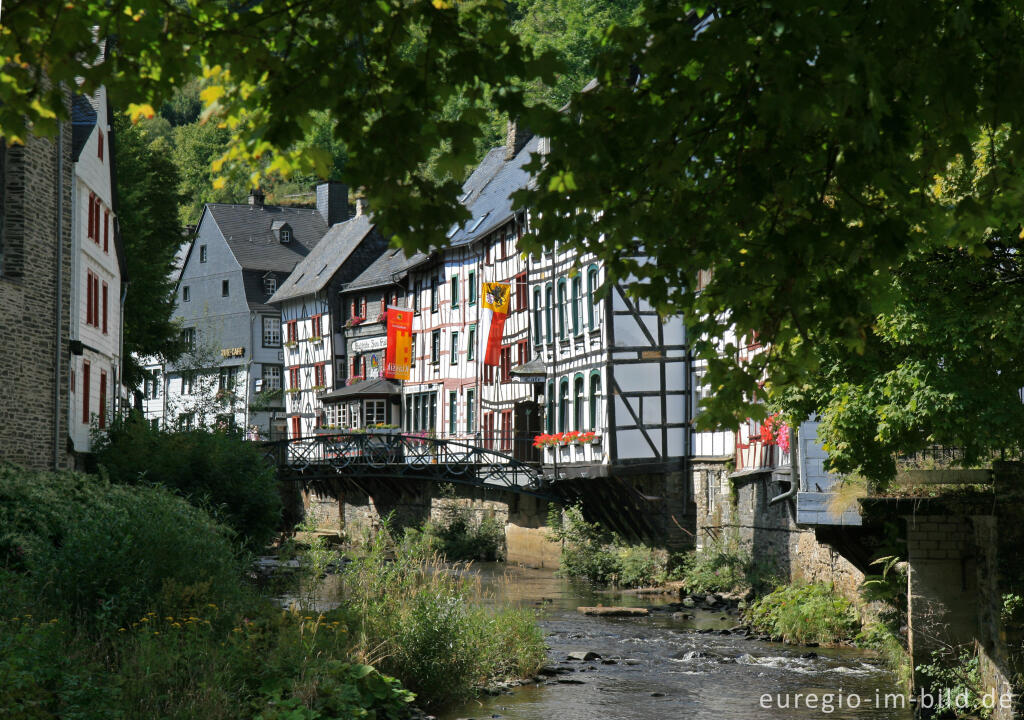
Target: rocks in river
column 682, row 616
column 613, row 611
column 583, row 655
column 689, row 602
column 631, row 661
column 657, row 694
column 609, row 661
column 809, row 656
column 690, row 655
column 712, row 600
column 570, row 681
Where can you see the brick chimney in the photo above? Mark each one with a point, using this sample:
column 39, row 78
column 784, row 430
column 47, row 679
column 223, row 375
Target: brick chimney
column 332, row 202
column 256, row 197
column 515, row 139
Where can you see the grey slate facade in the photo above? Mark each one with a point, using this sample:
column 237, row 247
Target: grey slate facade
column 239, row 258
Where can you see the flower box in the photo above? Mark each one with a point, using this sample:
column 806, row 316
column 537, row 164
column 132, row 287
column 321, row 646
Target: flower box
column 290, row 344
column 315, row 339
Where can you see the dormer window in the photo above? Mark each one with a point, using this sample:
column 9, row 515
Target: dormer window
column 283, row 231
column 269, row 285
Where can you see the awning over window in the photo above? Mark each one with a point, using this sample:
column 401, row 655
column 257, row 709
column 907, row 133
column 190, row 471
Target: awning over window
column 376, row 387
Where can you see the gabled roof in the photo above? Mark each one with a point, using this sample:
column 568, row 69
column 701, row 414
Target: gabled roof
column 388, row 269
column 84, row 111
column 319, row 266
column 486, row 192
column 255, row 295
column 247, row 230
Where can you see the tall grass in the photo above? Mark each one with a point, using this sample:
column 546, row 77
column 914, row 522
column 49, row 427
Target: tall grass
column 430, row 626
column 805, row 613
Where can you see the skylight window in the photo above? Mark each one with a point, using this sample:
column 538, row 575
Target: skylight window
column 479, row 222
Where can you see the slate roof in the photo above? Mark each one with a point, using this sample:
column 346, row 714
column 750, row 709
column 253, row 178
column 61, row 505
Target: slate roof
column 486, row 192
column 247, row 230
column 252, row 282
column 386, row 270
column 362, row 388
column 318, row 267
column 83, row 120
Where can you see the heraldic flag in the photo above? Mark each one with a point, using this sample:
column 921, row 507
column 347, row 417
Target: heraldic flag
column 492, row 321
column 398, row 356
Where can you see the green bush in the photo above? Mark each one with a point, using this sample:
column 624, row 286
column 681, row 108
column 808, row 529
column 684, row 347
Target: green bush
column 953, row 671
column 217, row 470
column 429, row 628
column 106, row 553
column 461, row 535
column 203, row 663
column 597, row 555
column 723, row 566
column 804, row 614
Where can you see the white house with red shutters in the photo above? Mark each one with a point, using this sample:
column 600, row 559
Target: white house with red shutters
column 97, row 273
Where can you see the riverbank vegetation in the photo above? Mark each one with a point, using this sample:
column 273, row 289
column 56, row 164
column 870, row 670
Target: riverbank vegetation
column 597, row 555
column 724, row 566
column 811, row 613
column 463, row 534
column 127, row 601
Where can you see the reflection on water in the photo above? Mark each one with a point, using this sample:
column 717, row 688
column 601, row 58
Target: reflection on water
column 660, row 667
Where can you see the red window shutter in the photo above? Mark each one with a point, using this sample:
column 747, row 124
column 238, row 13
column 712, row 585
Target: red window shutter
column 96, row 220
column 91, row 208
column 88, row 298
column 487, row 254
column 86, row 382
column 296, row 427
column 103, row 399
column 105, row 291
column 106, row 231
column 99, row 146
column 95, row 301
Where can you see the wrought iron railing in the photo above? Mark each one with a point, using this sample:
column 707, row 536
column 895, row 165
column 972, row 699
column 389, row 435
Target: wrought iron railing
column 398, row 454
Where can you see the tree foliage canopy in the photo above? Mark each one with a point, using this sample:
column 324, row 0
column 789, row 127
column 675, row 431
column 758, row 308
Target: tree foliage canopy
column 821, row 159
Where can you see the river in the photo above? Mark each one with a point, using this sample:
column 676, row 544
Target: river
column 660, row 667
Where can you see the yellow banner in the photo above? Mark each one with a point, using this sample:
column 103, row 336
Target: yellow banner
column 497, row 297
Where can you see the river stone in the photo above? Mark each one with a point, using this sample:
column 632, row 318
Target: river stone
column 609, row 662
column 570, row 681
column 657, row 694
column 583, row 655
column 630, row 661
column 712, row 599
column 689, row 602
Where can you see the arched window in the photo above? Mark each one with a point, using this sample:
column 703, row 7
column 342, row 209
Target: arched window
column 562, row 292
column 549, row 420
column 592, row 286
column 595, row 400
column 563, row 405
column 549, row 311
column 538, row 325
column 578, row 402
column 577, row 309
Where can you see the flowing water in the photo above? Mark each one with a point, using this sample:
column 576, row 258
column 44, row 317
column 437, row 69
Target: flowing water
column 660, row 667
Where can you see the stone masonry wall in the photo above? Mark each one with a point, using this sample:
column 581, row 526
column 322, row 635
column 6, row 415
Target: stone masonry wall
column 29, row 297
column 736, row 510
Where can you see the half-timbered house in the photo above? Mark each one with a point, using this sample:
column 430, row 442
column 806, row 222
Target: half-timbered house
column 312, row 315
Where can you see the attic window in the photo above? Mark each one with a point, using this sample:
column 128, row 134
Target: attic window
column 286, row 235
column 451, row 233
column 269, row 286
column 479, row 222
column 282, row 231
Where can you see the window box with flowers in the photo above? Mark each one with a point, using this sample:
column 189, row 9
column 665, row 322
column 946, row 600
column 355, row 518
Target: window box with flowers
column 290, row 343
column 225, row 395
column 354, row 379
column 565, row 439
column 315, row 339
column 318, row 388
column 293, row 391
column 353, row 321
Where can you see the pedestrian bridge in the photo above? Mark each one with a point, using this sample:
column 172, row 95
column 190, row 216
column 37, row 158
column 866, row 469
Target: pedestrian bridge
column 395, row 455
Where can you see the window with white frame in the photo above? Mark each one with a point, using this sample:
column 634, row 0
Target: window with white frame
column 271, row 331
column 271, row 377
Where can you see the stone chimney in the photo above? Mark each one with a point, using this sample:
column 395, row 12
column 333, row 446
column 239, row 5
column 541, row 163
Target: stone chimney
column 516, row 139
column 360, row 206
column 256, row 197
column 332, row 202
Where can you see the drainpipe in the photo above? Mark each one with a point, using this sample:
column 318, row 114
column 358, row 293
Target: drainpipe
column 60, row 296
column 794, row 477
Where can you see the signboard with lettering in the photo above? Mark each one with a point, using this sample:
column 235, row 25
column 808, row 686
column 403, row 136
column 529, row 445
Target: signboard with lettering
column 398, row 358
column 232, row 352
column 366, row 344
